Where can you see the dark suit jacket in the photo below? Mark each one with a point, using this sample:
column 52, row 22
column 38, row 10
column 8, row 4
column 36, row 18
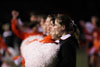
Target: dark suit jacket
column 67, row 53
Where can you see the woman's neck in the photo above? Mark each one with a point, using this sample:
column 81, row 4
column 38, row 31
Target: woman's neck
column 63, row 34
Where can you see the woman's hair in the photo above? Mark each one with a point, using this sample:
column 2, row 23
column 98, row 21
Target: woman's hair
column 70, row 26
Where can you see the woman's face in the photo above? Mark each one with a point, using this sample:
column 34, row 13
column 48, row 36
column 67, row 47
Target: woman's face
column 56, row 30
column 15, row 13
column 48, row 25
column 33, row 18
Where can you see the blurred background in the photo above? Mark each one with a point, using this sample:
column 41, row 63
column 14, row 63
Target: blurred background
column 85, row 13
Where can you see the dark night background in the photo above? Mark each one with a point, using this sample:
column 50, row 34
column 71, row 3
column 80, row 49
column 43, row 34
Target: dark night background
column 76, row 9
column 82, row 9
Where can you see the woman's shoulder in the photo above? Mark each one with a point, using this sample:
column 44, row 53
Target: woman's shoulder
column 71, row 41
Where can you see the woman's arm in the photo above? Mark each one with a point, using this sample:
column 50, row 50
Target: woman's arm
column 18, row 33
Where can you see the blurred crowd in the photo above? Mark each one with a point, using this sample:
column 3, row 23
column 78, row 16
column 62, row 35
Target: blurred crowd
column 14, row 33
column 89, row 39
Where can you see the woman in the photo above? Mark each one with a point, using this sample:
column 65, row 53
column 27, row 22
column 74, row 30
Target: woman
column 64, row 31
